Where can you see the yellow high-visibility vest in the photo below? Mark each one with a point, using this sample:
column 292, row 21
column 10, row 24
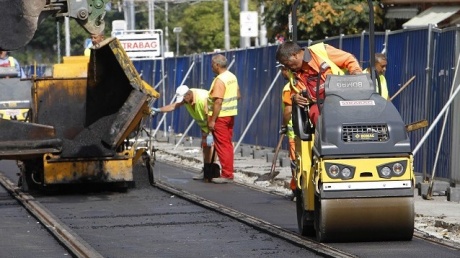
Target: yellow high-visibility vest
column 199, row 110
column 290, row 128
column 11, row 60
column 383, row 85
column 230, row 100
column 320, row 50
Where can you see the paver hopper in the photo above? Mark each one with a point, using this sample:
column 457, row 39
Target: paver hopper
column 81, row 120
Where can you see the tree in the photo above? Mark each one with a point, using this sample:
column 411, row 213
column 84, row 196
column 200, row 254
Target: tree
column 320, row 19
column 203, row 25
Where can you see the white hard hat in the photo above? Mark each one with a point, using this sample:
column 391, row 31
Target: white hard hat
column 180, row 93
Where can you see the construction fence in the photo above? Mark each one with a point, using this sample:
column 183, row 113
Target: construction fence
column 429, row 54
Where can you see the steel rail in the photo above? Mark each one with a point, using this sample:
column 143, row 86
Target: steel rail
column 273, row 229
column 276, row 231
column 69, row 239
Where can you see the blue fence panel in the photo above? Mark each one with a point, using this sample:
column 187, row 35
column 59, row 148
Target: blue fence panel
column 395, row 75
column 439, row 92
column 352, row 45
column 413, row 102
column 407, row 53
column 39, row 70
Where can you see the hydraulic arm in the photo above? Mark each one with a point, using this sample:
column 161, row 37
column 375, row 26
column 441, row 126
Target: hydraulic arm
column 20, row 18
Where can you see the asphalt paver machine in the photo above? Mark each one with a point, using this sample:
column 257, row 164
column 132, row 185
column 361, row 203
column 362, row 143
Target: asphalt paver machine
column 81, row 122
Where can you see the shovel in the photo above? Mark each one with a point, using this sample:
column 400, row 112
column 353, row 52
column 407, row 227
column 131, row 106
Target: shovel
column 273, row 173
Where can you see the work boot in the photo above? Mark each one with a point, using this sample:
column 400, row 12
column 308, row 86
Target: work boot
column 200, row 176
column 293, row 196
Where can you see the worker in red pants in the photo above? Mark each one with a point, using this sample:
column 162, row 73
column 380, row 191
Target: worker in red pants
column 222, row 109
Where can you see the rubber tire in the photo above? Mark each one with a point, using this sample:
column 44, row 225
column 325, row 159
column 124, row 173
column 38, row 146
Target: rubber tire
column 306, row 227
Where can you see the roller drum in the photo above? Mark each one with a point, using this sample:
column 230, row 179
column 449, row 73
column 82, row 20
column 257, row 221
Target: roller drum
column 364, row 219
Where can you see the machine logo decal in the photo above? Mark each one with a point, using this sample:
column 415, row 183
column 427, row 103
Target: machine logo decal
column 365, row 136
column 349, row 84
column 357, row 103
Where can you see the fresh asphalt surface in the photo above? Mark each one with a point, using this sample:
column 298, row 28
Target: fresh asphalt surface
column 279, row 211
column 147, row 222
column 21, row 235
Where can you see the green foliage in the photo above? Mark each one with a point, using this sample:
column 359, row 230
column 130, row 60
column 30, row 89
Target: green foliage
column 202, row 29
column 202, row 25
column 320, row 19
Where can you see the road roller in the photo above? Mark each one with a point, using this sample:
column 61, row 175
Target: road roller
column 82, row 119
column 355, row 178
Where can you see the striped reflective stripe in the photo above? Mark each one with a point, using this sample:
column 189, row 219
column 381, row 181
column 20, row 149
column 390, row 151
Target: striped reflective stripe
column 230, row 99
column 229, row 108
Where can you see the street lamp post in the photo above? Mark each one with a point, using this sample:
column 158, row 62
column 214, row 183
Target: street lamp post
column 177, row 30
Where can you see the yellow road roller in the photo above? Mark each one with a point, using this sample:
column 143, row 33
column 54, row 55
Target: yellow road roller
column 355, row 178
column 81, row 120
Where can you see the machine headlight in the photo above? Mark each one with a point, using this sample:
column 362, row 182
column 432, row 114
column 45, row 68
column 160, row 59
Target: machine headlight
column 340, row 171
column 398, row 168
column 346, row 172
column 385, row 172
column 334, row 170
column 392, row 169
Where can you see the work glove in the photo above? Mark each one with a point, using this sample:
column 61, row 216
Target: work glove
column 283, row 130
column 154, row 110
column 209, row 140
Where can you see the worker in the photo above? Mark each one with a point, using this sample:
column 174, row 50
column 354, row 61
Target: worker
column 380, row 68
column 9, row 61
column 286, row 127
column 96, row 38
column 223, row 107
column 196, row 103
column 309, row 63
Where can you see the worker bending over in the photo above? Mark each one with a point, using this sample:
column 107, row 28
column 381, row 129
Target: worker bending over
column 196, row 102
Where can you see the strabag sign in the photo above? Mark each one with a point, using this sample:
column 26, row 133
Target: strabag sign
column 141, row 45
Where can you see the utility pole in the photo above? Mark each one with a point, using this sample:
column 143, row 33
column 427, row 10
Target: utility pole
column 177, row 31
column 67, row 36
column 244, row 41
column 166, row 28
column 151, row 6
column 263, row 28
column 58, row 43
column 226, row 26
column 129, row 14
